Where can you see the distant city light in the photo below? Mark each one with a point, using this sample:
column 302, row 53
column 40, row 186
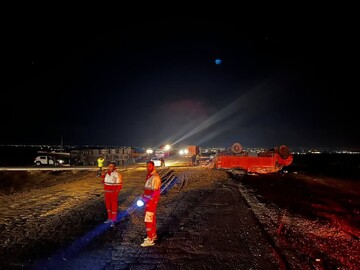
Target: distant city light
column 181, row 152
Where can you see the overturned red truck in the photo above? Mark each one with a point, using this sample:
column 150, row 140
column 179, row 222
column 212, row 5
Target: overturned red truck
column 269, row 161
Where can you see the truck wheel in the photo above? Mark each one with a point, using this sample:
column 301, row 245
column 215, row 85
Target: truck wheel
column 236, row 148
column 38, row 163
column 284, row 151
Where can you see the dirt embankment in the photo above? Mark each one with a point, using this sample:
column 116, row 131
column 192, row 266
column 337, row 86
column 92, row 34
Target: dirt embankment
column 12, row 182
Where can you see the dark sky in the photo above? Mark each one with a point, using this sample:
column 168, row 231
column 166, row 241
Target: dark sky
column 152, row 79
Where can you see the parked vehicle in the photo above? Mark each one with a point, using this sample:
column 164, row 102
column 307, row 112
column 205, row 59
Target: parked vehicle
column 160, row 153
column 158, row 161
column 47, row 160
column 193, row 150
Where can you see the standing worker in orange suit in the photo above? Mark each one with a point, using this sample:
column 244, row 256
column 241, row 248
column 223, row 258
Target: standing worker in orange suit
column 151, row 197
column 112, row 186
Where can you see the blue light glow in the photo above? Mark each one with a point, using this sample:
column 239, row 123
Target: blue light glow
column 68, row 252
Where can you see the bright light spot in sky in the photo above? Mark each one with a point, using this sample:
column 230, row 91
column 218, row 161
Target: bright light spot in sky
column 218, row 61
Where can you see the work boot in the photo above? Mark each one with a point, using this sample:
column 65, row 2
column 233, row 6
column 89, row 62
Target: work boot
column 148, row 243
column 154, row 238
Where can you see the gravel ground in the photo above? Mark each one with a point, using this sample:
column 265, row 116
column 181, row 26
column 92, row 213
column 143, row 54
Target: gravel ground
column 313, row 221
column 207, row 220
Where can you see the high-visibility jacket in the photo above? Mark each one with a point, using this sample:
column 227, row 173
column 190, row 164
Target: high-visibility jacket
column 152, row 186
column 112, row 181
column 151, row 196
column 100, row 162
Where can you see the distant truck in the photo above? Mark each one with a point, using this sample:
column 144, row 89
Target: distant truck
column 193, row 150
column 160, row 153
column 264, row 162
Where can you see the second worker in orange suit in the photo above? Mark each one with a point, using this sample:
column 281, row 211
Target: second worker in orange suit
column 112, row 186
column 151, row 197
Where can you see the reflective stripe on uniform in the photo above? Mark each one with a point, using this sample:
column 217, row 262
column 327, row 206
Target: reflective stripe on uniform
column 149, row 216
column 112, row 179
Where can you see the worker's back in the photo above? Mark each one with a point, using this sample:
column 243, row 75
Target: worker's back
column 100, row 162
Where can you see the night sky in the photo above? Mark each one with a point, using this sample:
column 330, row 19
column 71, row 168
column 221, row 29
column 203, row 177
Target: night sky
column 150, row 80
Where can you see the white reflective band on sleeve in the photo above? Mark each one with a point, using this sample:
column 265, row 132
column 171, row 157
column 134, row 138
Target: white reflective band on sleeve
column 149, row 216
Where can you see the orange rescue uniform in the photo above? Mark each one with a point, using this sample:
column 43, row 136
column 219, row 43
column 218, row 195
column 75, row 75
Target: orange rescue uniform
column 151, row 197
column 112, row 187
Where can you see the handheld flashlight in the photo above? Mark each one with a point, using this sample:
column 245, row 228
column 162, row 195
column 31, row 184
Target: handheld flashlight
column 140, row 203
